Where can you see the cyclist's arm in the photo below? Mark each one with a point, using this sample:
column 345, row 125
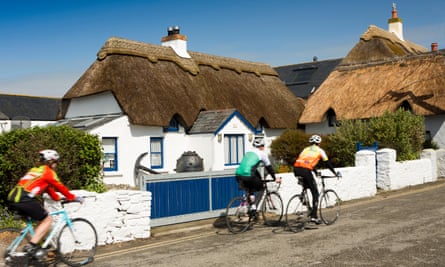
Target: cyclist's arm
column 331, row 167
column 328, row 162
column 55, row 185
column 271, row 171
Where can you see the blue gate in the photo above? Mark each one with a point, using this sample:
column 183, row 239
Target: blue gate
column 182, row 197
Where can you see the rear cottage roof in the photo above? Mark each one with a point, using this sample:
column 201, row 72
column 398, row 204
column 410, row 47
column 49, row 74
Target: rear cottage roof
column 369, row 90
column 381, row 73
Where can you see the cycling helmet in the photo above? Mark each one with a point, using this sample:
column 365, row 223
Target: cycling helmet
column 48, row 155
column 258, row 142
column 315, row 139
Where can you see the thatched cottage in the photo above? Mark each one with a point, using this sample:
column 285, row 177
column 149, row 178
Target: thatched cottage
column 163, row 101
column 383, row 72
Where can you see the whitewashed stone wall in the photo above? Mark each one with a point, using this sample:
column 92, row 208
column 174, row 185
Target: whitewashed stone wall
column 392, row 175
column 356, row 182
column 440, row 159
column 117, row 215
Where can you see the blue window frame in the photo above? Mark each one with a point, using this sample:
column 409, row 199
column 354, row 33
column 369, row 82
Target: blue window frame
column 233, row 149
column 109, row 145
column 259, row 129
column 173, row 126
column 156, row 153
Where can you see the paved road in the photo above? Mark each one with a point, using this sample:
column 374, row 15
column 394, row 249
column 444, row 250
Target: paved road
column 404, row 228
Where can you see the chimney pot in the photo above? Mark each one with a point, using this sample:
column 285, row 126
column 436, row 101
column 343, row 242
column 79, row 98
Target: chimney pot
column 434, row 47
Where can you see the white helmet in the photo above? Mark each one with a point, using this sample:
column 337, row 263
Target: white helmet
column 48, row 155
column 315, row 139
column 258, row 142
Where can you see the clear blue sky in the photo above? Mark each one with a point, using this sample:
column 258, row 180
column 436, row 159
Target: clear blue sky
column 46, row 45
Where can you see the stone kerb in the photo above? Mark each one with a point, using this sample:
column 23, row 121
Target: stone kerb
column 117, row 215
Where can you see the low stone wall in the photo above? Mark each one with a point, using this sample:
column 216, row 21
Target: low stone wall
column 392, row 175
column 117, row 215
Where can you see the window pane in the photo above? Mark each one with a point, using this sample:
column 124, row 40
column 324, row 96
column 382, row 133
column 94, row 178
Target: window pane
column 156, row 146
column 240, row 149
column 109, row 146
column 226, row 149
column 233, row 149
column 156, row 153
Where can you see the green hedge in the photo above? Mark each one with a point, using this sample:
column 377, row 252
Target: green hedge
column 400, row 130
column 80, row 156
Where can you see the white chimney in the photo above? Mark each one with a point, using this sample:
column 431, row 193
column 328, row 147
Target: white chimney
column 176, row 41
column 395, row 23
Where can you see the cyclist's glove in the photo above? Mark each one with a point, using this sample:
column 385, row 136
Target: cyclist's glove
column 79, row 199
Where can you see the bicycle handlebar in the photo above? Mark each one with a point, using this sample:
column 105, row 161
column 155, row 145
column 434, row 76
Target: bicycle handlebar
column 328, row 176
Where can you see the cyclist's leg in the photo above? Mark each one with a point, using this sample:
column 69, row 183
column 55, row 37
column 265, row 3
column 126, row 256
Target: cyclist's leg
column 309, row 182
column 31, row 207
column 304, row 174
column 257, row 186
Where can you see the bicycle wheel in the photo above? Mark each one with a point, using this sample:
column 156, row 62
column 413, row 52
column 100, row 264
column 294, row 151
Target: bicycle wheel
column 76, row 245
column 237, row 217
column 272, row 209
column 329, row 206
column 296, row 214
column 7, row 235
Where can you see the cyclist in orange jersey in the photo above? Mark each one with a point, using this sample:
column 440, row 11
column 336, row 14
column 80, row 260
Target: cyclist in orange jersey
column 24, row 197
column 305, row 164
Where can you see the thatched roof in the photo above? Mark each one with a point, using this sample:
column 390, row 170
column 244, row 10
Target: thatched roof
column 368, row 90
column 377, row 44
column 381, row 73
column 152, row 85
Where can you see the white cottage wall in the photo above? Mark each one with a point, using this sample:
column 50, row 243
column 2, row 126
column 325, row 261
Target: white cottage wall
column 202, row 144
column 436, row 126
column 132, row 141
column 104, row 103
column 234, row 126
column 174, row 146
column 319, row 128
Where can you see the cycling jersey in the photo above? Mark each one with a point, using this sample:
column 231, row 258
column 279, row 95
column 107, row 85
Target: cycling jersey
column 250, row 161
column 310, row 156
column 37, row 181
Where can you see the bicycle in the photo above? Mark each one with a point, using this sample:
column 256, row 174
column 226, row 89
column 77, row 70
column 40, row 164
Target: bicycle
column 300, row 205
column 72, row 241
column 239, row 216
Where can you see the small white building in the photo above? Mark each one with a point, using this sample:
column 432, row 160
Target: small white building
column 22, row 111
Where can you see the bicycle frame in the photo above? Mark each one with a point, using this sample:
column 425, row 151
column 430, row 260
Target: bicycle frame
column 29, row 229
column 266, row 192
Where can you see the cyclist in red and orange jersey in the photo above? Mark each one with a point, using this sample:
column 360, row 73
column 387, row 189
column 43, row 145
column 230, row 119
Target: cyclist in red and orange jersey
column 24, row 197
column 305, row 164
